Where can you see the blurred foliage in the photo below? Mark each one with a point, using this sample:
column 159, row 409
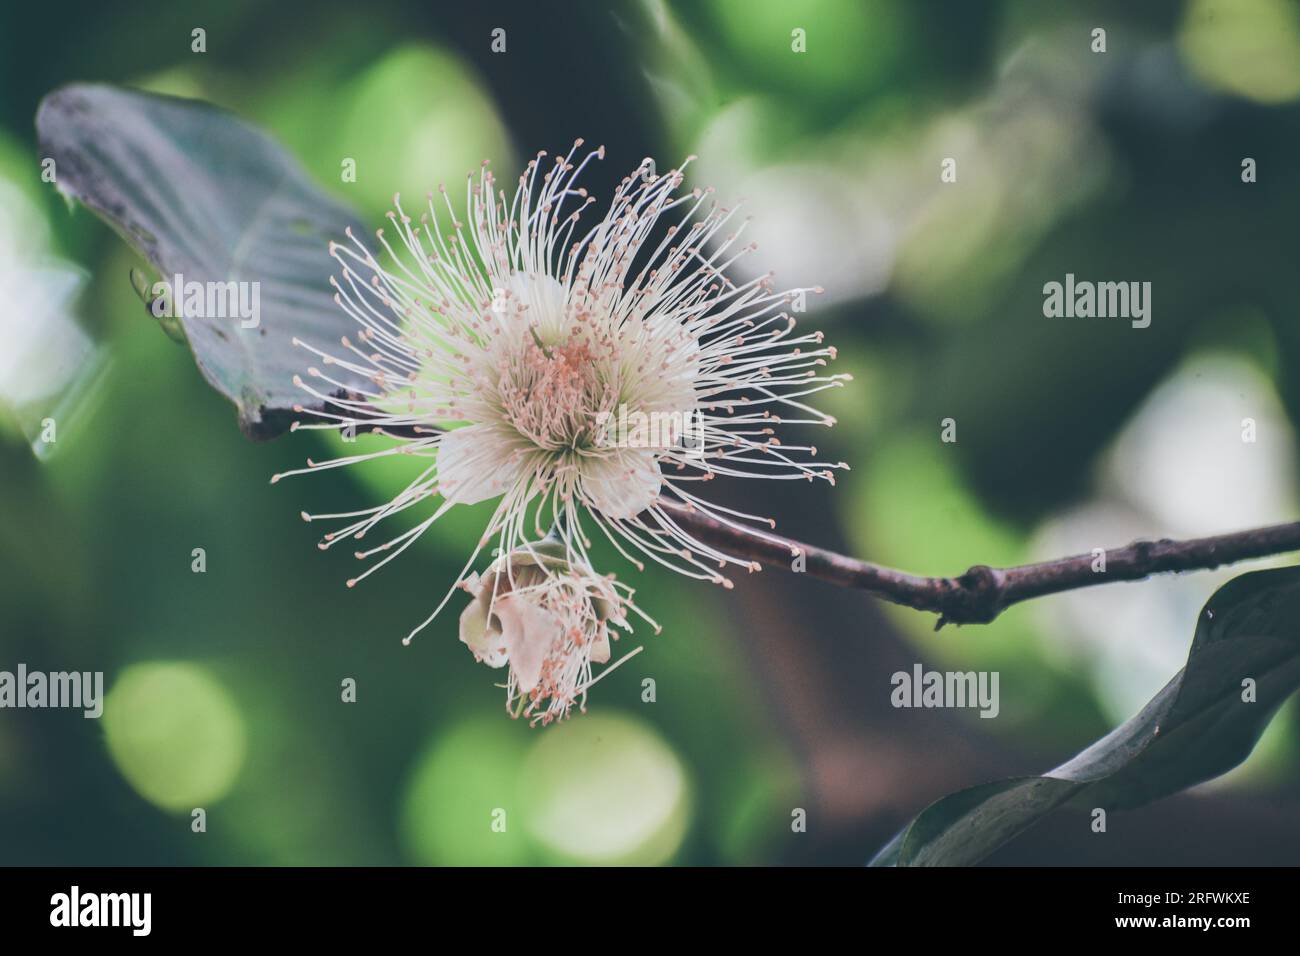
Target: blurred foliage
column 1124, row 166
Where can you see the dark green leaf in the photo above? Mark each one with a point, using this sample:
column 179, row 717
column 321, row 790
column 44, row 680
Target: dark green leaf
column 1196, row 728
column 200, row 193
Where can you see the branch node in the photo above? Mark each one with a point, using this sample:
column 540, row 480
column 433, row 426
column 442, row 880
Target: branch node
column 976, row 597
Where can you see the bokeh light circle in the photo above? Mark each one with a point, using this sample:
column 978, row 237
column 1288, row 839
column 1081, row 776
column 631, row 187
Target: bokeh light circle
column 174, row 733
column 605, row 789
column 460, row 787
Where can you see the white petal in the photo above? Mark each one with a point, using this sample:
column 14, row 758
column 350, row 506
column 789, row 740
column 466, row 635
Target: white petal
column 485, row 642
column 527, row 630
column 474, row 464
column 622, row 485
column 544, row 296
column 600, row 646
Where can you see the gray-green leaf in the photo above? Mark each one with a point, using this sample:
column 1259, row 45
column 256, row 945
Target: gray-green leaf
column 1197, row 727
column 200, row 193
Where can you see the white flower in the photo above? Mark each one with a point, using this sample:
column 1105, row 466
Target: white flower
column 500, row 350
column 548, row 621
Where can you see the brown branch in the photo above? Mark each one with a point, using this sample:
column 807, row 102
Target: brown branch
column 982, row 593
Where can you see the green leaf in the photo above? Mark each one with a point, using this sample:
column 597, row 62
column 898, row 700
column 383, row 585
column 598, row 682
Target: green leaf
column 1196, row 728
column 200, row 193
column 166, row 321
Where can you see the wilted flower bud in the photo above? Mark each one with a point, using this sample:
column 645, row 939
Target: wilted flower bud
column 545, row 618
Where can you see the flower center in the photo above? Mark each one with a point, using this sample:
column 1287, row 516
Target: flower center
column 552, row 394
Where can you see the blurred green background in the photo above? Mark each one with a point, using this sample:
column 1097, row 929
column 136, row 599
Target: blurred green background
column 225, row 686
